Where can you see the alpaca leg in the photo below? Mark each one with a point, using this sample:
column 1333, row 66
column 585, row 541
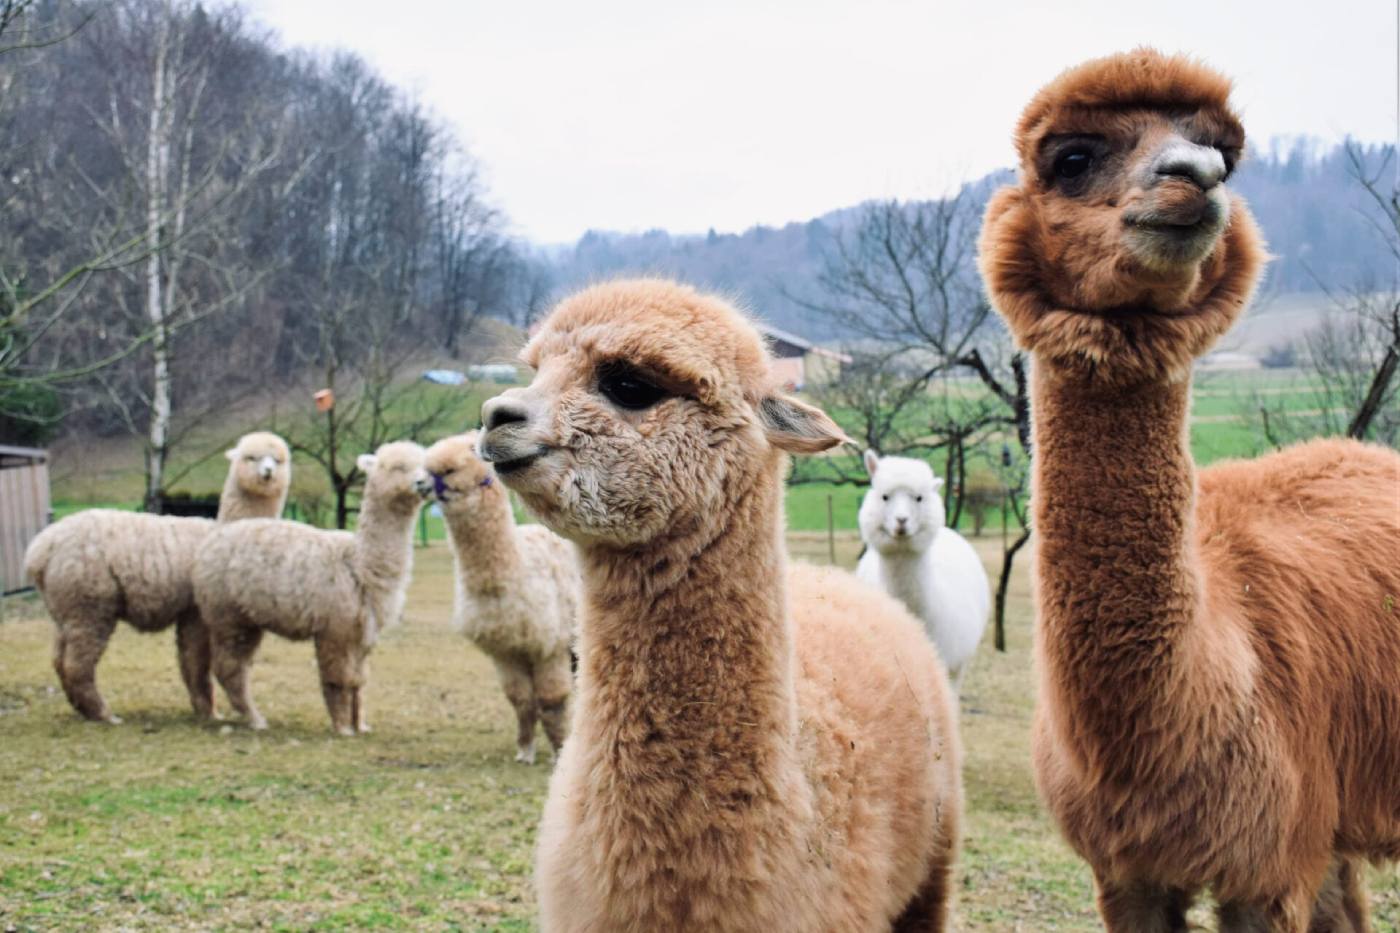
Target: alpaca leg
column 231, row 653
column 192, row 646
column 77, row 649
column 1287, row 914
column 357, row 699
column 552, row 680
column 337, row 666
column 1341, row 904
column 1139, row 907
column 930, row 910
column 520, row 691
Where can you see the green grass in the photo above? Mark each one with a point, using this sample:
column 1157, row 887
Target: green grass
column 427, row 823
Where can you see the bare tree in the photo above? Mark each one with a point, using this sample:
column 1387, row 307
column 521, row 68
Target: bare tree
column 903, row 285
column 1349, row 360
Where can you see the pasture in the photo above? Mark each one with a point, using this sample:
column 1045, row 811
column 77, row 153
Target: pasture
column 107, row 472
column 427, row 823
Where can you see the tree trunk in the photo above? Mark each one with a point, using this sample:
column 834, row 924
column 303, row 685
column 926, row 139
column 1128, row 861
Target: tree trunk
column 157, row 156
column 1004, row 584
column 1375, row 394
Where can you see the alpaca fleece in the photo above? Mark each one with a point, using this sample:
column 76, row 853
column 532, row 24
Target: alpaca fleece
column 338, row 588
column 517, row 590
column 1219, row 700
column 752, row 747
column 100, row 566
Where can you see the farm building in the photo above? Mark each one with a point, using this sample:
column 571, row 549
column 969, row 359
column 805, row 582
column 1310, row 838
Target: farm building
column 24, row 509
column 799, row 362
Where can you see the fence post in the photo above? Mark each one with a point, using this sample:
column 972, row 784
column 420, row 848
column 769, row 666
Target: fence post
column 423, row 526
column 831, row 528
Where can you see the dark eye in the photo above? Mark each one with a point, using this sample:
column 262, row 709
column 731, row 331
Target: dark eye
column 1231, row 156
column 886, row 497
column 1072, row 163
column 918, row 498
column 626, row 388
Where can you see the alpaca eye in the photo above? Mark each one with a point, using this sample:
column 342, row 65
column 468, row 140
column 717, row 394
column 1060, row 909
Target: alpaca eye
column 625, row 388
column 918, row 498
column 1073, row 163
column 886, row 497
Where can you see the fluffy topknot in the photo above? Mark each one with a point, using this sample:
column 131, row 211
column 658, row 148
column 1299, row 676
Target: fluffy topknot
column 697, row 341
column 1143, row 77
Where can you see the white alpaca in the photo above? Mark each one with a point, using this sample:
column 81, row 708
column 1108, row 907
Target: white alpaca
column 915, row 558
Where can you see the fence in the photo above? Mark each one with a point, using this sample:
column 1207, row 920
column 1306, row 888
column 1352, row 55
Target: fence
column 24, row 510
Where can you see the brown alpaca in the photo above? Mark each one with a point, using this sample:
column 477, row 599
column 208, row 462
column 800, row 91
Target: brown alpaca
column 517, row 590
column 1219, row 659
column 751, row 749
column 100, row 566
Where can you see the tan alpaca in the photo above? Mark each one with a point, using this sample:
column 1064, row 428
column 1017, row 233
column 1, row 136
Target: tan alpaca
column 517, row 590
column 338, row 588
column 100, row 566
column 752, row 749
column 1219, row 656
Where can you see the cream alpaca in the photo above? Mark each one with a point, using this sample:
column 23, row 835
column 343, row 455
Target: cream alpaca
column 1218, row 655
column 752, row 749
column 922, row 563
column 517, row 590
column 97, row 567
column 338, row 588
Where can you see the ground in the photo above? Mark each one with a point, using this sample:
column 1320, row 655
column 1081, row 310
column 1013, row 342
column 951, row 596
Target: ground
column 427, row 823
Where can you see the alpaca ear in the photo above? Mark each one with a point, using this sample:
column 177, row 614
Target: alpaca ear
column 366, row 462
column 231, row 453
column 937, row 483
column 797, row 427
column 872, row 461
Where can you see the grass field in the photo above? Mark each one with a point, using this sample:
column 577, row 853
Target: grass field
column 425, row 824
column 108, row 472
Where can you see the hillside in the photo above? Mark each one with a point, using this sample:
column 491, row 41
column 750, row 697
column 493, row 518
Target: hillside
column 1318, row 220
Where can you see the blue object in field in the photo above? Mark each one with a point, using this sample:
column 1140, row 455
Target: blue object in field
column 435, row 510
column 446, row 377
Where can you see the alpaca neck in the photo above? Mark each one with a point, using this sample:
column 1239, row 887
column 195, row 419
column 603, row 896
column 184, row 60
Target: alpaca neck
column 237, row 503
column 1119, row 588
column 484, row 545
column 383, row 544
column 686, row 667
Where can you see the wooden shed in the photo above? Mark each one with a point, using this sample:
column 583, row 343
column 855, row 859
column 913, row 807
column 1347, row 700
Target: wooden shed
column 24, row 510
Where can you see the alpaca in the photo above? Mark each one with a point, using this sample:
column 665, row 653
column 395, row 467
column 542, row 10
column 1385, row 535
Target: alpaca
column 517, row 590
column 100, row 566
column 1220, row 705
column 751, row 748
column 338, row 588
column 258, row 479
column 911, row 555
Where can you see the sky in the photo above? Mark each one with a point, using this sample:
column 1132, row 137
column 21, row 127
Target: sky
column 629, row 115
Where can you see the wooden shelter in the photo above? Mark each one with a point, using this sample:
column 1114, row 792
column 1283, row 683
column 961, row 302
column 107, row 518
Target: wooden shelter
column 24, row 510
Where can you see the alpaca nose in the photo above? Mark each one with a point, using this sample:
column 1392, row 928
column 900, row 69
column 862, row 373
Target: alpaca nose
column 501, row 411
column 1204, row 166
column 902, row 523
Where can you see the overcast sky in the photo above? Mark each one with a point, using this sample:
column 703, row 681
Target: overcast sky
column 633, row 114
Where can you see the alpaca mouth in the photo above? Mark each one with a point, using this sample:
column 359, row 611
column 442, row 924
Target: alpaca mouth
column 515, row 464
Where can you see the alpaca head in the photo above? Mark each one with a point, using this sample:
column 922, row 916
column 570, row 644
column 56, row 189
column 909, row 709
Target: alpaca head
column 653, row 409
column 395, row 477
column 261, row 464
column 462, row 482
column 1120, row 252
column 902, row 511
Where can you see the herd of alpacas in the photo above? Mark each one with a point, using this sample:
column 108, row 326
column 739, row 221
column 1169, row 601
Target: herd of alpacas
column 750, row 744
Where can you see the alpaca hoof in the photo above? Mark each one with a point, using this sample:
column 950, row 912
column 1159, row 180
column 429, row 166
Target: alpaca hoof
column 526, row 756
column 346, row 731
column 258, row 725
column 365, row 728
column 112, row 719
